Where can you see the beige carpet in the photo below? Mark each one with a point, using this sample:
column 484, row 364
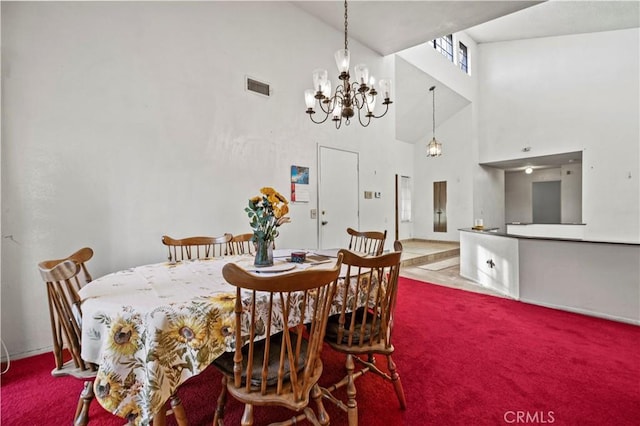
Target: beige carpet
column 442, row 264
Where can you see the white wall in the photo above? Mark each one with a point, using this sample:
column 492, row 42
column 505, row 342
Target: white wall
column 488, row 197
column 126, row 121
column 432, row 62
column 405, row 229
column 564, row 94
column 455, row 166
column 478, row 192
column 571, row 193
column 458, row 163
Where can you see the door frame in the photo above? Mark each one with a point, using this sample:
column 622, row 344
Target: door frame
column 397, row 203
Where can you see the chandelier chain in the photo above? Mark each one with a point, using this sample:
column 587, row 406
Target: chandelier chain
column 434, row 111
column 346, row 24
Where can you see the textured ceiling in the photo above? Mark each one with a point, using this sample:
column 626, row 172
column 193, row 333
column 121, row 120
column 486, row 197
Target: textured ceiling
column 390, row 26
column 555, row 18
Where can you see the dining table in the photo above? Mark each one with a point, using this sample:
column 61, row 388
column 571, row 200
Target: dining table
column 150, row 328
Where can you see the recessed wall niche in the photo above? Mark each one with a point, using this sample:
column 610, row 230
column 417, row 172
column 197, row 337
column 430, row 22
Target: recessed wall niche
column 519, row 186
column 440, row 206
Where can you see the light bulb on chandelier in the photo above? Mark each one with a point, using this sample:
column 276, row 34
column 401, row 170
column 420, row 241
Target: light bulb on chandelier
column 350, row 98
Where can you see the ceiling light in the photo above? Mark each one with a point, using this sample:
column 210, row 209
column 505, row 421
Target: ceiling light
column 349, row 97
column 434, row 148
column 528, row 170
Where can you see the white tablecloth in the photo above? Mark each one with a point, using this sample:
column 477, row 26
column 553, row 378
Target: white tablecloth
column 152, row 327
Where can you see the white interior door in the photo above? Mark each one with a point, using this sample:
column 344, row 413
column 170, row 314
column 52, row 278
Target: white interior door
column 337, row 196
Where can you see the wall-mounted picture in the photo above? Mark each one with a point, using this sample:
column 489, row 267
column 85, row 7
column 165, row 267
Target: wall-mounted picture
column 300, row 175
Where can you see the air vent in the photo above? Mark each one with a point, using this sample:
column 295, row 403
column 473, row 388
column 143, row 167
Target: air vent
column 258, row 87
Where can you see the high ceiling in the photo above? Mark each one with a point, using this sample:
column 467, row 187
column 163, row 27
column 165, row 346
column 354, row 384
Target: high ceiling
column 556, row 18
column 394, row 25
column 391, row 26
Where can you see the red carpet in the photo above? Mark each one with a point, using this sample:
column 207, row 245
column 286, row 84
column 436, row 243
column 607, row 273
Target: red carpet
column 464, row 359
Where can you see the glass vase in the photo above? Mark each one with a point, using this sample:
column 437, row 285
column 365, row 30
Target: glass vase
column 264, row 253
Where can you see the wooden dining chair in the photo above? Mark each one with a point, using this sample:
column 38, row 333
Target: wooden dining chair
column 282, row 370
column 242, row 244
column 197, row 247
column 365, row 323
column 63, row 279
column 58, row 302
column 81, row 257
column 370, row 242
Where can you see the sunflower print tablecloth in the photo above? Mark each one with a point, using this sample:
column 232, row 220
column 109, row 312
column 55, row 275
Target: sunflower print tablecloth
column 152, row 327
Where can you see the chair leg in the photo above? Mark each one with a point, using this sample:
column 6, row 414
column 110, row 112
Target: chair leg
column 178, row 410
column 352, row 405
column 397, row 384
column 222, row 400
column 371, row 358
column 323, row 416
column 247, row 416
column 82, row 411
column 160, row 418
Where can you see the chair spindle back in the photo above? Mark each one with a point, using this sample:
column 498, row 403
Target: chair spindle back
column 197, row 247
column 242, row 244
column 284, row 368
column 369, row 242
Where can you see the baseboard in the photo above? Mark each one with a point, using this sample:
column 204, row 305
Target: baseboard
column 584, row 312
column 27, row 354
column 500, row 291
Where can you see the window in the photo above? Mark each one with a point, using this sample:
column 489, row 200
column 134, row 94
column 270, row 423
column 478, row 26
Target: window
column 405, row 199
column 444, row 45
column 459, row 57
column 463, row 57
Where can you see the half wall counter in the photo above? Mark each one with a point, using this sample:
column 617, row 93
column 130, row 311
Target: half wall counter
column 594, row 278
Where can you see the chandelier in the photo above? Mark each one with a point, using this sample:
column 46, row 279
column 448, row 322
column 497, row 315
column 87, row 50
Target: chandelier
column 350, row 97
column 434, row 148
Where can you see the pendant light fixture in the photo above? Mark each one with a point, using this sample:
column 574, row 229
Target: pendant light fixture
column 434, row 148
column 349, row 98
